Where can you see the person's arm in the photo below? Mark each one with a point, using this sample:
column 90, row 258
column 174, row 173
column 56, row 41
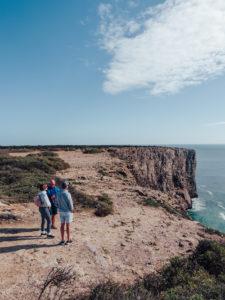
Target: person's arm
column 46, row 201
column 70, row 202
column 57, row 200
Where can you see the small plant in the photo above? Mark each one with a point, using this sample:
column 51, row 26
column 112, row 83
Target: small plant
column 56, row 283
column 213, row 231
column 158, row 203
column 104, row 206
column 103, row 172
column 151, row 202
column 121, row 173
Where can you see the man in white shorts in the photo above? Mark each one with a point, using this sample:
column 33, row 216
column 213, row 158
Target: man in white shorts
column 65, row 207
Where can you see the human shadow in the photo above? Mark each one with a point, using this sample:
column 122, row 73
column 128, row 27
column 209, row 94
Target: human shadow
column 25, row 247
column 19, row 238
column 11, row 230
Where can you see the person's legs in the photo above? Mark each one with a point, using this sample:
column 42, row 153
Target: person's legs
column 48, row 218
column 62, row 230
column 69, row 219
column 54, row 212
column 53, row 222
column 68, row 231
column 42, row 212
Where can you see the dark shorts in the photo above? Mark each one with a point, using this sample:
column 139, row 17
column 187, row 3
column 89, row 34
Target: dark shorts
column 54, row 210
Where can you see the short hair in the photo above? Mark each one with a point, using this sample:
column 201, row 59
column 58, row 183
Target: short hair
column 41, row 186
column 65, row 184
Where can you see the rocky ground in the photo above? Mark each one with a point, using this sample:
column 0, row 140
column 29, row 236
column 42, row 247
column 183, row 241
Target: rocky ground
column 132, row 242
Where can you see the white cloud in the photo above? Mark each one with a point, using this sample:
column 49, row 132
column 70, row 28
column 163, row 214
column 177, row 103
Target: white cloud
column 166, row 48
column 215, row 124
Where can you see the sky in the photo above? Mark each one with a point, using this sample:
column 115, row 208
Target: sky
column 100, row 72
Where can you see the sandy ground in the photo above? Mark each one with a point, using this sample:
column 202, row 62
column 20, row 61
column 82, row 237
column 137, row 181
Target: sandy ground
column 132, row 242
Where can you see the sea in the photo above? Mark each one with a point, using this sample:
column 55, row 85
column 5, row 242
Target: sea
column 209, row 207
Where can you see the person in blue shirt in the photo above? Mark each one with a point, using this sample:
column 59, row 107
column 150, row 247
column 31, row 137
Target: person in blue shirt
column 52, row 192
column 66, row 209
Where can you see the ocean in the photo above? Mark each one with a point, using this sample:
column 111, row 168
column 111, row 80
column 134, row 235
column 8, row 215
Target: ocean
column 209, row 207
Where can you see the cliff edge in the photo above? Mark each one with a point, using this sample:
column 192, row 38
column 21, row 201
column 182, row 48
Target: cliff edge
column 170, row 170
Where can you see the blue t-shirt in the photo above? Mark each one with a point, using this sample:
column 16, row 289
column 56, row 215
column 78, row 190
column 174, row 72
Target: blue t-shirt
column 52, row 191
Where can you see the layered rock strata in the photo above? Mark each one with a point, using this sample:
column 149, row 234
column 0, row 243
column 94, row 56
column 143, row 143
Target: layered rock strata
column 170, row 170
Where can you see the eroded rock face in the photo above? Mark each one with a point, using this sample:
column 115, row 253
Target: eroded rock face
column 171, row 170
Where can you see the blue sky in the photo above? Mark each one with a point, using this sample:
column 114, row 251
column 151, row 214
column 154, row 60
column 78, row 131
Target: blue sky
column 110, row 72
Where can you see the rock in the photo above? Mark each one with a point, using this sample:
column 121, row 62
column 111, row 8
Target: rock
column 180, row 244
column 140, row 193
column 170, row 170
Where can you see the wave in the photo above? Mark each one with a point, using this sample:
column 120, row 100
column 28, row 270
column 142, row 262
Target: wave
column 198, row 204
column 221, row 206
column 222, row 216
column 210, row 193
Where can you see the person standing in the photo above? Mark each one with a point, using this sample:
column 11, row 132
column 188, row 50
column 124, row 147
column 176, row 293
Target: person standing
column 44, row 209
column 66, row 209
column 52, row 193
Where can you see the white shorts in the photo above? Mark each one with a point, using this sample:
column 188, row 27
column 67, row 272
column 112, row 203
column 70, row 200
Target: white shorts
column 66, row 217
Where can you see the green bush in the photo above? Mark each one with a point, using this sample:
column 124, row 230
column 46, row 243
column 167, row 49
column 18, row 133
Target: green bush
column 92, row 150
column 211, row 256
column 115, row 291
column 158, row 203
column 82, row 199
column 20, row 176
column 104, row 206
column 213, row 231
column 201, row 276
column 151, row 202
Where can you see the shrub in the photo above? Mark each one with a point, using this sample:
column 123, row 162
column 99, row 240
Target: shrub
column 151, row 202
column 201, row 276
column 158, row 203
column 104, row 206
column 92, row 150
column 103, row 209
column 115, row 291
column 20, row 176
column 56, row 283
column 84, row 200
column 213, row 231
column 211, row 256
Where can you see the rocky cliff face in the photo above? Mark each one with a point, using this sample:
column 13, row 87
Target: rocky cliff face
column 171, row 170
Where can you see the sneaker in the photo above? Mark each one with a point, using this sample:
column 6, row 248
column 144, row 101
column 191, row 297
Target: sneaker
column 43, row 232
column 50, row 236
column 69, row 242
column 62, row 243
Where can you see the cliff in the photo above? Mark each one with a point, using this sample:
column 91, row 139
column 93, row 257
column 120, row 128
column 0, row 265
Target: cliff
column 170, row 170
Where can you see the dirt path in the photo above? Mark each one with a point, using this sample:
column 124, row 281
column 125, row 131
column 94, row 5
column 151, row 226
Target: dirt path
column 134, row 241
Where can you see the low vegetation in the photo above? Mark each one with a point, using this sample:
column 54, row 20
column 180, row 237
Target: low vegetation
column 213, row 231
column 82, row 199
column 56, row 284
column 201, row 276
column 151, row 202
column 102, row 204
column 20, row 176
column 158, row 203
column 92, row 150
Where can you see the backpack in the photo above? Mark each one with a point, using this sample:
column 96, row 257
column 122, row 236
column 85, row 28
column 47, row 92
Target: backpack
column 37, row 201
